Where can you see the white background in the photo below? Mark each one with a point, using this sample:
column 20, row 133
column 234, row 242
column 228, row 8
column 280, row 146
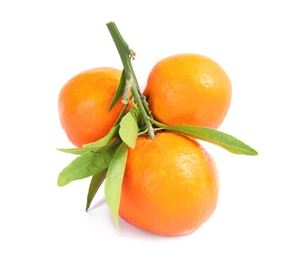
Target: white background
column 44, row 43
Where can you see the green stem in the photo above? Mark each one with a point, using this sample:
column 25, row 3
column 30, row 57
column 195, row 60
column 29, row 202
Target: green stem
column 126, row 54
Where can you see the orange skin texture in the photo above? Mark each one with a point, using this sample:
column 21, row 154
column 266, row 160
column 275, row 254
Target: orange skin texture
column 189, row 89
column 170, row 186
column 83, row 105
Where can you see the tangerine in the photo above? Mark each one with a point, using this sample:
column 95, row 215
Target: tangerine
column 83, row 105
column 189, row 89
column 170, row 186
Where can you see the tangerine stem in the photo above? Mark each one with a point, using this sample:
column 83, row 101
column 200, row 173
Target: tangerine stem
column 126, row 54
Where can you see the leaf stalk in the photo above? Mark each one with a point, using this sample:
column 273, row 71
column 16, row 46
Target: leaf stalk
column 126, row 54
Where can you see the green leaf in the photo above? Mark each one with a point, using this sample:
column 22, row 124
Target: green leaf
column 77, row 151
column 129, row 129
column 216, row 137
column 135, row 113
column 86, row 165
column 119, row 91
column 95, row 184
column 103, row 142
column 123, row 112
column 114, row 178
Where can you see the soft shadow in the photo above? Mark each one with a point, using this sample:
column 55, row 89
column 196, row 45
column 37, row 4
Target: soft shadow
column 129, row 231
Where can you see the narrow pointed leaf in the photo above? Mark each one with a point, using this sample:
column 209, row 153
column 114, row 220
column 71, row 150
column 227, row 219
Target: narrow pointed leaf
column 216, row 137
column 119, row 91
column 85, row 166
column 76, row 151
column 103, row 142
column 114, row 178
column 129, row 129
column 95, row 184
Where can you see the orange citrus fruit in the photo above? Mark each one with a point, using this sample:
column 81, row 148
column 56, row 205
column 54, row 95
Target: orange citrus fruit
column 83, row 105
column 188, row 89
column 170, row 186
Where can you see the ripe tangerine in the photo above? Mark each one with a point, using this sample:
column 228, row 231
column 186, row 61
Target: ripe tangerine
column 83, row 105
column 189, row 89
column 170, row 186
